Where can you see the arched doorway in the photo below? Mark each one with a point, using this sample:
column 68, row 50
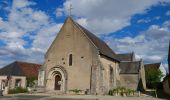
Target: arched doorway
column 57, row 85
column 57, row 79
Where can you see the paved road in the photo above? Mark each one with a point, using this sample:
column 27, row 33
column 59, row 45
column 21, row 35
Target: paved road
column 32, row 97
column 79, row 97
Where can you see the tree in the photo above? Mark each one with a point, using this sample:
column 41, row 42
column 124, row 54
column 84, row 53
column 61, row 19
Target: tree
column 31, row 81
column 153, row 78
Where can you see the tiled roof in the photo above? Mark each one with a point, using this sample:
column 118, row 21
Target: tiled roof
column 103, row 48
column 129, row 67
column 152, row 66
column 125, row 57
column 29, row 69
column 12, row 69
column 19, row 68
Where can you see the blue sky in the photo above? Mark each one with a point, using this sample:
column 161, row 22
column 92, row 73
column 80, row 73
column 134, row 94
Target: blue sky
column 28, row 27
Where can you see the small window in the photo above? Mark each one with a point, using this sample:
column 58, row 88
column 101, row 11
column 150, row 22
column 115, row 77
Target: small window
column 111, row 75
column 3, row 83
column 70, row 59
column 18, row 83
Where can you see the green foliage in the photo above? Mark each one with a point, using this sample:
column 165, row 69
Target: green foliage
column 31, row 81
column 153, row 78
column 121, row 91
column 17, row 90
column 76, row 91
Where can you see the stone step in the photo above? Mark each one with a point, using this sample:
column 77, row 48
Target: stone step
column 54, row 92
column 38, row 90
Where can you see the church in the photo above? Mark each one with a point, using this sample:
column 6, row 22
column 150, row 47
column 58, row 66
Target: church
column 77, row 59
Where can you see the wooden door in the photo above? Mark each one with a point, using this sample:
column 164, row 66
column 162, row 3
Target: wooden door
column 57, row 82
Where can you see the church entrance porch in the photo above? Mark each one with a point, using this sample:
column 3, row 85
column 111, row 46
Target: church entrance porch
column 57, row 79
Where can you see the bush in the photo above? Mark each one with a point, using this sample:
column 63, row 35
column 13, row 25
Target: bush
column 121, row 91
column 31, row 81
column 17, row 90
column 76, row 91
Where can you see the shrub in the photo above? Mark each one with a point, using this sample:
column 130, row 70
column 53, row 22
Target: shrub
column 76, row 91
column 31, row 81
column 121, row 91
column 17, row 90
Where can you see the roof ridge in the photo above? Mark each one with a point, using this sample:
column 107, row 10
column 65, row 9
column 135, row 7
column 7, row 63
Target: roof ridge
column 26, row 62
column 125, row 53
column 103, row 48
column 153, row 63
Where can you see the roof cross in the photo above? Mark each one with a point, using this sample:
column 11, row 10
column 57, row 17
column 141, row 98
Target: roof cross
column 70, row 8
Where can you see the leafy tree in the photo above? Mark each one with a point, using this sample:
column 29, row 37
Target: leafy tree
column 31, row 81
column 153, row 78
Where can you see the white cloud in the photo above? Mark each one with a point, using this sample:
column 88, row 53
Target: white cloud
column 158, row 32
column 22, row 3
column 99, row 16
column 24, row 21
column 105, row 16
column 45, row 37
column 143, row 21
column 151, row 45
column 157, row 17
column 168, row 13
column 59, row 12
column 82, row 21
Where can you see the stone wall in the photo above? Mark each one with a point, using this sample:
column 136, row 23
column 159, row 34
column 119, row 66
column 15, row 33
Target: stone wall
column 5, row 86
column 22, row 78
column 129, row 81
column 109, row 74
column 166, row 86
column 142, row 76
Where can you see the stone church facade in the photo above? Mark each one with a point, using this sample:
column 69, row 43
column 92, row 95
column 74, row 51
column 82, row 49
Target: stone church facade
column 77, row 59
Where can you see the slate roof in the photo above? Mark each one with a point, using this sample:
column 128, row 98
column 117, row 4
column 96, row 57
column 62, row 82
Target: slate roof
column 125, row 57
column 152, row 66
column 129, row 67
column 18, row 68
column 103, row 48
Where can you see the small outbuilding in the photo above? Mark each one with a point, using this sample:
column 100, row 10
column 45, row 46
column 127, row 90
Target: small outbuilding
column 16, row 75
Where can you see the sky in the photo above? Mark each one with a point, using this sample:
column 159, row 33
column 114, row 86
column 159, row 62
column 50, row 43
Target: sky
column 28, row 27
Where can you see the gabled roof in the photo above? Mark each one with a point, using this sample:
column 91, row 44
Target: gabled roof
column 125, row 57
column 130, row 67
column 152, row 66
column 103, row 48
column 29, row 69
column 12, row 69
column 19, row 68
